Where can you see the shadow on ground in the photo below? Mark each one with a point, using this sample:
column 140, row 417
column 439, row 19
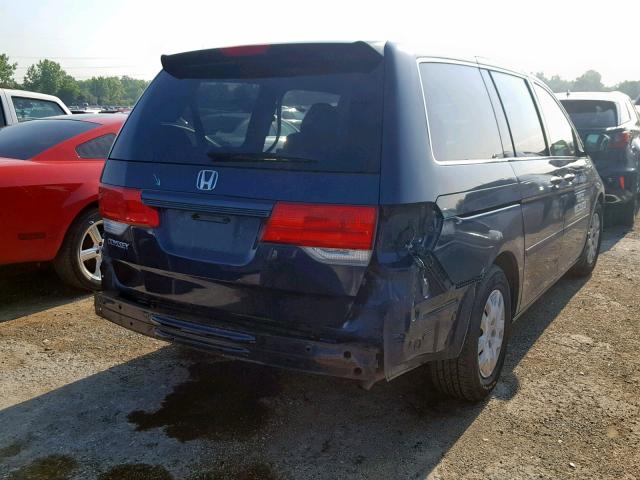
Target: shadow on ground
column 612, row 235
column 178, row 414
column 27, row 289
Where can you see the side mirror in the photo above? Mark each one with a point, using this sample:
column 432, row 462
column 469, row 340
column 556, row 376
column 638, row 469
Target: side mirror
column 596, row 142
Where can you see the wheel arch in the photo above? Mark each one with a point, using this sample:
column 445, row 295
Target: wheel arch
column 508, row 263
column 90, row 205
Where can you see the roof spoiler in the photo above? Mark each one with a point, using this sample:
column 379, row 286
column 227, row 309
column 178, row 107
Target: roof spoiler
column 292, row 59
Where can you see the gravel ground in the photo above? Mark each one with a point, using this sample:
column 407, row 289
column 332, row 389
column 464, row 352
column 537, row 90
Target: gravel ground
column 81, row 398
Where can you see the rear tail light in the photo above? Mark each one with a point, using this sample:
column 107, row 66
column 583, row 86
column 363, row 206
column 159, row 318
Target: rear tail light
column 329, row 233
column 124, row 205
column 620, row 141
column 621, row 181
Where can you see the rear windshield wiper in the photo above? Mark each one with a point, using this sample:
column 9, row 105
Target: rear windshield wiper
column 256, row 157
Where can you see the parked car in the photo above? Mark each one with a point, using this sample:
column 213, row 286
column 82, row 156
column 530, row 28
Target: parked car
column 422, row 207
column 49, row 174
column 610, row 129
column 19, row 106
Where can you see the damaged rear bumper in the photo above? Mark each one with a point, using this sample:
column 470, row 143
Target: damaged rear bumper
column 347, row 360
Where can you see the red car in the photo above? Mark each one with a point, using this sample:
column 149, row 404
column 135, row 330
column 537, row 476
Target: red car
column 49, row 175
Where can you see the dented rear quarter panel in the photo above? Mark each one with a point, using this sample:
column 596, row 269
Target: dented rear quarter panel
column 460, row 218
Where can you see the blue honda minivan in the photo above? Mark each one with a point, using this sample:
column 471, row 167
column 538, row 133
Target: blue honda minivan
column 406, row 211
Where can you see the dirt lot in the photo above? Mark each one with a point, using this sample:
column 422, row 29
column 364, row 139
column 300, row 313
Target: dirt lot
column 81, row 398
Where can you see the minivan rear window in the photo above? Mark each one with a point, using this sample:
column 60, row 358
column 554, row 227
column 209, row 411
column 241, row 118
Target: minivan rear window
column 26, row 140
column 592, row 113
column 312, row 118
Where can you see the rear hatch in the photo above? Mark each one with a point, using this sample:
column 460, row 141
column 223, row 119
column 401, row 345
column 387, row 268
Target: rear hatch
column 592, row 118
column 218, row 203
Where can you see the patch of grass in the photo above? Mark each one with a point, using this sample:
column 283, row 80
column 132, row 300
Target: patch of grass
column 53, row 467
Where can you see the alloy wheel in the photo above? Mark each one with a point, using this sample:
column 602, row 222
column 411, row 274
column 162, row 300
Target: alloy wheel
column 90, row 251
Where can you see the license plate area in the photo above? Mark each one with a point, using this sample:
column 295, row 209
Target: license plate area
column 210, row 237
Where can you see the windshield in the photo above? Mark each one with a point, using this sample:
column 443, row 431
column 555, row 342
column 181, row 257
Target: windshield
column 26, row 140
column 310, row 121
column 592, row 113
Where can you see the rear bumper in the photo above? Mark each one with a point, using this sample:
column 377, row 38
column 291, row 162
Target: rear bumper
column 615, row 195
column 617, row 198
column 346, row 360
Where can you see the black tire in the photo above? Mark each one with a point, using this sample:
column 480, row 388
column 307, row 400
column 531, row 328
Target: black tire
column 628, row 212
column 584, row 266
column 67, row 262
column 460, row 377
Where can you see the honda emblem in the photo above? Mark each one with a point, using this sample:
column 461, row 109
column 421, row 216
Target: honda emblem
column 207, row 180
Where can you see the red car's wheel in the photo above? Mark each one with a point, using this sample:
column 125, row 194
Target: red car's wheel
column 78, row 261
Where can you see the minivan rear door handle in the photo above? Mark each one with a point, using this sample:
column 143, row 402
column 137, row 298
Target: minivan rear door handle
column 556, row 180
column 569, row 177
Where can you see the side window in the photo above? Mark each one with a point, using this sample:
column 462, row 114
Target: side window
column 633, row 113
column 507, row 144
column 624, row 114
column 30, row 108
column 522, row 115
column 2, row 120
column 97, row 147
column 462, row 124
column 636, row 110
column 561, row 140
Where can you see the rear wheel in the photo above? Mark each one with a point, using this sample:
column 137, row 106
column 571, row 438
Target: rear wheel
column 78, row 261
column 589, row 256
column 475, row 372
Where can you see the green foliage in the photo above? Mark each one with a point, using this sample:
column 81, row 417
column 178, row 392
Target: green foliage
column 7, row 70
column 556, row 83
column 630, row 87
column 47, row 76
column 589, row 81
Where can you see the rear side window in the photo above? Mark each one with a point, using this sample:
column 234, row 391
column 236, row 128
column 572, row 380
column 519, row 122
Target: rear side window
column 561, row 142
column 97, row 147
column 624, row 114
column 316, row 117
column 522, row 115
column 592, row 113
column 26, row 140
column 32, row 108
column 462, row 124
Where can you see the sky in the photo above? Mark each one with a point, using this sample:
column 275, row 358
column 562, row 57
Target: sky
column 119, row 37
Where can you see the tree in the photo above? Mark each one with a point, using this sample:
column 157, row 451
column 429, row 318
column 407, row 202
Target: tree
column 132, row 88
column 589, row 81
column 556, row 83
column 630, row 87
column 106, row 90
column 7, row 70
column 69, row 90
column 46, row 76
